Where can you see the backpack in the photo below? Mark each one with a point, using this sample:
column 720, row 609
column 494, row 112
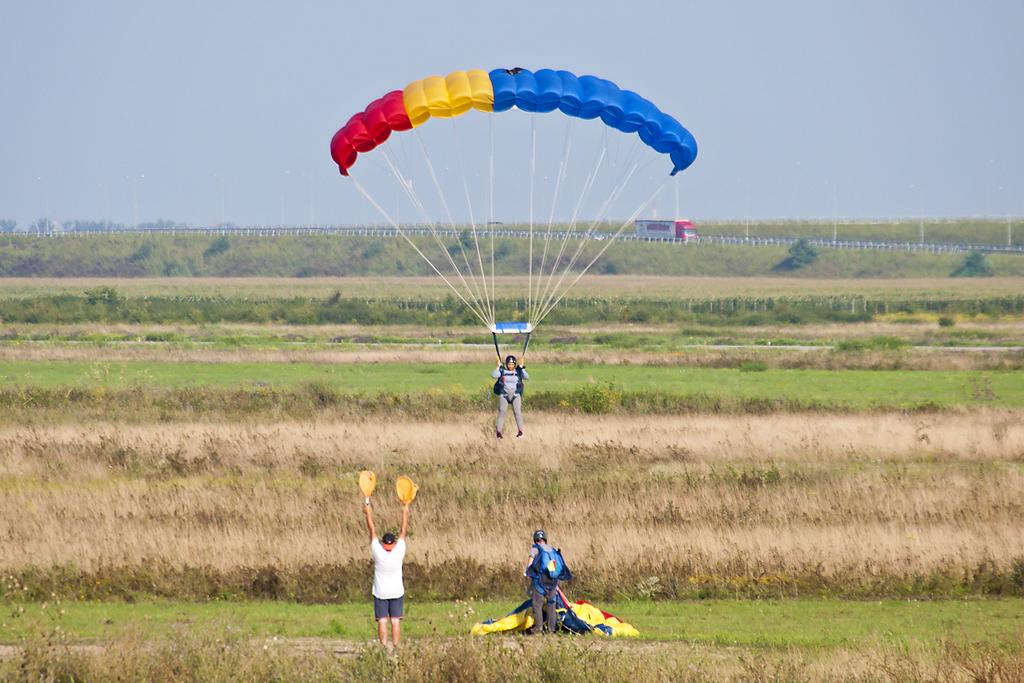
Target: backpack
column 549, row 564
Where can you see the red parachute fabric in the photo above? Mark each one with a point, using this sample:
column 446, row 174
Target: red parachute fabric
column 369, row 128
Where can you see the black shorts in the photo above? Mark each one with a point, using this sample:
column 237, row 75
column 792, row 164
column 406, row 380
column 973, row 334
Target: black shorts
column 384, row 609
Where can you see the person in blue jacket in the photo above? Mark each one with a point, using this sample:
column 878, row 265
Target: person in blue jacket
column 509, row 388
column 545, row 569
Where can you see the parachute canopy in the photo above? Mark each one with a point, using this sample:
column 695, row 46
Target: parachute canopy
column 585, row 97
column 580, row 618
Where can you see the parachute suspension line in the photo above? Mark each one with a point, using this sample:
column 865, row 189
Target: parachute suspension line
column 414, row 198
column 533, row 174
column 448, row 212
column 490, row 212
column 615, row 236
column 489, row 305
column 562, row 167
column 497, row 349
column 606, row 206
column 412, row 244
column 472, row 224
column 587, row 187
column 433, row 228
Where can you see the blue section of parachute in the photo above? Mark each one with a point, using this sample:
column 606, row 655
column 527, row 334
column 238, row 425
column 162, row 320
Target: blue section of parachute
column 589, row 97
column 511, row 328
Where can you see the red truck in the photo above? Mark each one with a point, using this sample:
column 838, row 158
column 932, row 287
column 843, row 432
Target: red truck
column 681, row 229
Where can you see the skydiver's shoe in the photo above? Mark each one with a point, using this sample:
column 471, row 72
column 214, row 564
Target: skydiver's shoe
column 498, row 434
column 519, row 434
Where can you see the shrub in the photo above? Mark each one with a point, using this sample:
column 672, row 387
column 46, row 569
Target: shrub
column 103, row 295
column 974, row 265
column 218, row 246
column 596, row 398
column 801, row 254
column 881, row 343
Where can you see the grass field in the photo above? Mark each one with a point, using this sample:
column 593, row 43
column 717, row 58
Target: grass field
column 135, row 255
column 184, row 494
column 962, row 231
column 771, row 506
column 857, row 389
column 766, row 623
column 597, row 286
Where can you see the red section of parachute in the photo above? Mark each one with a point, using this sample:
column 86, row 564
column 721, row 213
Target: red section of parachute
column 369, row 128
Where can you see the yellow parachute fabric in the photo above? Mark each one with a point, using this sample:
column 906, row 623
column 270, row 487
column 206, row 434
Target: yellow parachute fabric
column 448, row 96
column 520, row 620
column 599, row 623
column 595, row 617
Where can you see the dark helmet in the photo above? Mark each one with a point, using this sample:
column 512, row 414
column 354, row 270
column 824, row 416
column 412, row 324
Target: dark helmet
column 388, row 539
column 511, row 358
column 539, row 536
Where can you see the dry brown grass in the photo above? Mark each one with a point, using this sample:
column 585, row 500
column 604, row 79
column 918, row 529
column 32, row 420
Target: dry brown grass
column 779, row 357
column 230, row 656
column 876, row 495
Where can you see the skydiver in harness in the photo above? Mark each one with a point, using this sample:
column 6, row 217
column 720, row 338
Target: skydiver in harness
column 509, row 389
column 545, row 569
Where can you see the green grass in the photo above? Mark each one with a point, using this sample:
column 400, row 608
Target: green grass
column 332, row 255
column 845, row 388
column 953, row 231
column 799, row 623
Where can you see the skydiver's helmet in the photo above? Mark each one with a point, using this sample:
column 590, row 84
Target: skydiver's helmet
column 511, row 359
column 539, row 536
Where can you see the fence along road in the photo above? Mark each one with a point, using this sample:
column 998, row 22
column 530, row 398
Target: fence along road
column 507, row 233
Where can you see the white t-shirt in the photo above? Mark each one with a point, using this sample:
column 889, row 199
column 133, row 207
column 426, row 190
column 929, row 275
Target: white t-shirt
column 387, row 570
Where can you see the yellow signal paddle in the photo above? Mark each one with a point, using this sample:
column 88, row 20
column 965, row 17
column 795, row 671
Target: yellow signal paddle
column 406, row 489
column 367, row 482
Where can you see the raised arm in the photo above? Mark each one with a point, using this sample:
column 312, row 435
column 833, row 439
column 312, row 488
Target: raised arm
column 529, row 561
column 368, row 511
column 405, row 520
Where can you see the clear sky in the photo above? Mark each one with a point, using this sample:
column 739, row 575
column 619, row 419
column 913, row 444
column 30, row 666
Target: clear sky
column 194, row 111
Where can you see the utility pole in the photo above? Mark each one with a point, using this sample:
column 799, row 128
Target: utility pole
column 1009, row 222
column 920, row 194
column 312, row 212
column 746, row 220
column 106, row 205
column 835, row 212
column 920, row 212
column 284, row 185
column 223, row 191
column 135, row 199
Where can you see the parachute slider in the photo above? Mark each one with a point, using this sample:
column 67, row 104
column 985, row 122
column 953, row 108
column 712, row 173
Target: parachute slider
column 512, row 328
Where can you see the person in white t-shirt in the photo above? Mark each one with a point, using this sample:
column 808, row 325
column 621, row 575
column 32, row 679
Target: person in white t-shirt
column 388, row 588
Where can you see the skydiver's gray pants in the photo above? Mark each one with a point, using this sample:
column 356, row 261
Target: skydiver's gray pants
column 517, row 410
column 544, row 606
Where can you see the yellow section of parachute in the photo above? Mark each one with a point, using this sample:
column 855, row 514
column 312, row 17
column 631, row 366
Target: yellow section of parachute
column 516, row 622
column 451, row 95
column 594, row 617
